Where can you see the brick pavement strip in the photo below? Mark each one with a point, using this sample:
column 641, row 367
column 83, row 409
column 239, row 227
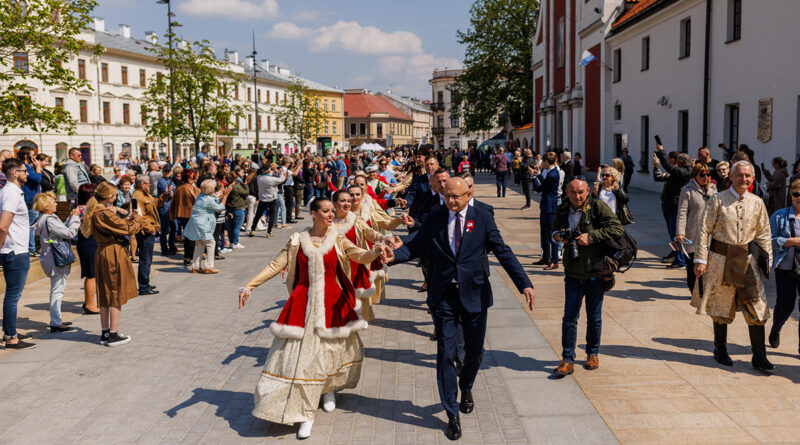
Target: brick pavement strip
column 189, row 373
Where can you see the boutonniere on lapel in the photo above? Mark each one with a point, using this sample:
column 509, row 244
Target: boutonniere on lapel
column 469, row 225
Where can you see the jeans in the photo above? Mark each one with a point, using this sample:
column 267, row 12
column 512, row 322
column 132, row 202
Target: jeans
column 500, row 179
column 787, row 289
column 169, row 230
column 32, row 215
column 280, row 212
column 235, row 225
column 15, row 272
column 672, row 224
column 574, row 291
column 58, row 284
column 146, row 244
column 320, row 193
column 307, row 193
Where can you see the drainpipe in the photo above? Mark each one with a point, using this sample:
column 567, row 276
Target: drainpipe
column 706, row 71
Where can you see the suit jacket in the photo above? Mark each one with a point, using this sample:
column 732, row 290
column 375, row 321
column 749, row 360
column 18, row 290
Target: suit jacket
column 483, row 206
column 468, row 268
column 430, row 204
column 420, row 186
column 547, row 185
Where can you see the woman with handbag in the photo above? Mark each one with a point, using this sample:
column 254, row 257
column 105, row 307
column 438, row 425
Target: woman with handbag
column 57, row 253
column 115, row 277
column 202, row 224
column 785, row 227
column 609, row 190
column 691, row 203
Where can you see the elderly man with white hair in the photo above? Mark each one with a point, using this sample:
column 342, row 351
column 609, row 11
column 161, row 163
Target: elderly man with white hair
column 734, row 250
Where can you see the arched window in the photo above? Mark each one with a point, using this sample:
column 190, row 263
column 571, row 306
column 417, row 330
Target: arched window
column 86, row 153
column 108, row 154
column 61, row 152
column 23, row 144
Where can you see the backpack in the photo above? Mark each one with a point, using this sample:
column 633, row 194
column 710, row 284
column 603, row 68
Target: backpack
column 619, row 253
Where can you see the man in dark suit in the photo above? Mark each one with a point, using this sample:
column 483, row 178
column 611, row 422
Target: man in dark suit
column 420, row 185
column 546, row 181
column 457, row 239
column 431, row 201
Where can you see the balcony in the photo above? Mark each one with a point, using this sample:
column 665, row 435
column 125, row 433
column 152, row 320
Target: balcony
column 437, row 131
column 437, row 106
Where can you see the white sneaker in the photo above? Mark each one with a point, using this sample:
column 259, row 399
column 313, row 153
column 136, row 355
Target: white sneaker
column 225, row 250
column 305, row 429
column 238, row 246
column 329, row 401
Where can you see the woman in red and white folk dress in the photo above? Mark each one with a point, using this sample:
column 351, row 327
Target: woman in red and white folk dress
column 316, row 349
column 378, row 219
column 355, row 229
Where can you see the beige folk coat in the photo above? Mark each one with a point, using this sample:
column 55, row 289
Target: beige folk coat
column 733, row 221
column 691, row 204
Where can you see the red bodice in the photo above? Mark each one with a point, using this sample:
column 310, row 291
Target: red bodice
column 359, row 274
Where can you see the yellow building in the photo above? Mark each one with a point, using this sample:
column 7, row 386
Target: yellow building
column 332, row 101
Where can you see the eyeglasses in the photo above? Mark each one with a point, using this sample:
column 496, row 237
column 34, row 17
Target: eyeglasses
column 703, row 175
column 20, row 170
column 455, row 196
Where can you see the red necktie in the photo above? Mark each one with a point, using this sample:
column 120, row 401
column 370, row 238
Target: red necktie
column 457, row 232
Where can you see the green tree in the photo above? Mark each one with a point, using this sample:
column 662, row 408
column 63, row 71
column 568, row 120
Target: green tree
column 497, row 80
column 300, row 114
column 36, row 37
column 203, row 88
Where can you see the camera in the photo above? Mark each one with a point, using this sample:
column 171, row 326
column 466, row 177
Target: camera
column 570, row 237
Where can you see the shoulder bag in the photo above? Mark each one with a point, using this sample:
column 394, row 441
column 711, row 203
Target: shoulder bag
column 61, row 249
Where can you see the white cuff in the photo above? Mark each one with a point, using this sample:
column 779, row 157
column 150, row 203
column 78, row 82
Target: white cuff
column 699, row 261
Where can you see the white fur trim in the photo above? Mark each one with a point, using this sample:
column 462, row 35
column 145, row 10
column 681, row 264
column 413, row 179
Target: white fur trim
column 358, row 307
column 316, row 273
column 344, row 331
column 286, row 331
column 375, row 274
column 345, row 226
column 366, row 207
column 363, row 293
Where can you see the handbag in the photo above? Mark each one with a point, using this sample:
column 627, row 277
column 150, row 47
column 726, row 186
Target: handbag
column 61, row 249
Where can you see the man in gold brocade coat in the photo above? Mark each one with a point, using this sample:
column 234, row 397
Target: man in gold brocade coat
column 731, row 221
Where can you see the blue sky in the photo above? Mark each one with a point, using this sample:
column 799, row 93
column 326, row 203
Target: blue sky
column 373, row 44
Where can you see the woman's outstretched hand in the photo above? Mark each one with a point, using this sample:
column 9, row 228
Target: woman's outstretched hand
column 244, row 294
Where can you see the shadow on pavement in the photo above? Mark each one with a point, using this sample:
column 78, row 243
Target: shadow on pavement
column 232, row 406
column 258, row 352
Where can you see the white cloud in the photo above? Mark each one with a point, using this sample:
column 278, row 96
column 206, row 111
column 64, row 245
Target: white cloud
column 350, row 37
column 310, row 15
column 233, row 9
column 410, row 74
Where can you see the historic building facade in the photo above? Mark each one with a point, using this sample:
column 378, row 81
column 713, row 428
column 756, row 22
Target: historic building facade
column 109, row 114
column 421, row 114
column 373, row 119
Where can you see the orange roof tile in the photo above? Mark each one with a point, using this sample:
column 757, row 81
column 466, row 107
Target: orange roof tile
column 362, row 105
column 636, row 8
column 524, row 127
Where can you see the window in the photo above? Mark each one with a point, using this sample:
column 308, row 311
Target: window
column 560, row 44
column 60, row 102
column 236, row 94
column 645, row 53
column 81, row 69
column 249, row 118
column 352, row 129
column 333, row 105
column 453, row 122
column 686, row 38
column 126, row 114
column 124, row 74
column 269, row 121
column 334, row 127
column 267, row 94
column 21, row 62
column 258, row 95
column 142, row 78
column 325, row 104
column 327, row 127
column 683, row 131
column 379, row 130
column 617, row 65
column 259, row 126
column 440, row 96
column 104, row 72
column 362, row 128
column 644, row 160
column 106, row 112
column 732, row 125
column 248, row 94
column 276, row 98
column 316, row 104
column 734, row 20
column 617, row 112
column 143, row 115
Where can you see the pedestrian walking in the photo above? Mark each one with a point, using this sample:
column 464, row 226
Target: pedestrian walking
column 785, row 228
column 609, row 190
column 202, row 224
column 691, row 204
column 501, row 172
column 52, row 231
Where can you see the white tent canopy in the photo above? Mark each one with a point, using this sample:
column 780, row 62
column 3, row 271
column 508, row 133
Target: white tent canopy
column 370, row 147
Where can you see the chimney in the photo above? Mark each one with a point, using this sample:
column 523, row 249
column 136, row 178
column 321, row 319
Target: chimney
column 249, row 63
column 264, row 65
column 232, row 56
column 284, row 71
column 125, row 31
column 388, row 91
column 99, row 24
column 151, row 36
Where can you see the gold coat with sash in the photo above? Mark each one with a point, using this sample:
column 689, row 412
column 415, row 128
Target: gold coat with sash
column 737, row 222
column 383, row 222
column 364, row 233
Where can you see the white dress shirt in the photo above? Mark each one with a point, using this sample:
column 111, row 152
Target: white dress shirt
column 451, row 225
column 12, row 199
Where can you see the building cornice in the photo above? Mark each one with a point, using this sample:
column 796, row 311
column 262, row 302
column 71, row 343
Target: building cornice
column 597, row 25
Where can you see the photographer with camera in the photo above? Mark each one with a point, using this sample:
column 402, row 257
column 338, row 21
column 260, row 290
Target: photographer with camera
column 582, row 224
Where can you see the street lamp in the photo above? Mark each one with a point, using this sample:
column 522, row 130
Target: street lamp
column 255, row 88
column 170, row 15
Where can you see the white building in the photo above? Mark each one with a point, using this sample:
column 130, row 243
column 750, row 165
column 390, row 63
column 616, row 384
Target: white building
column 421, row 114
column 109, row 118
column 752, row 95
column 447, row 128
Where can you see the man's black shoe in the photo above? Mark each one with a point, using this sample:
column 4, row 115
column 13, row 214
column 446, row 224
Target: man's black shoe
column 675, row 266
column 775, row 339
column 149, row 292
column 453, row 428
column 541, row 262
column 467, row 404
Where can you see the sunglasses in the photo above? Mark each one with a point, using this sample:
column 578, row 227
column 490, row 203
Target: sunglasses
column 703, row 175
column 796, row 194
column 606, row 175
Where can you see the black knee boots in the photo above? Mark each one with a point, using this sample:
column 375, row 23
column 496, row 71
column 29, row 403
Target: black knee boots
column 759, row 360
column 721, row 344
